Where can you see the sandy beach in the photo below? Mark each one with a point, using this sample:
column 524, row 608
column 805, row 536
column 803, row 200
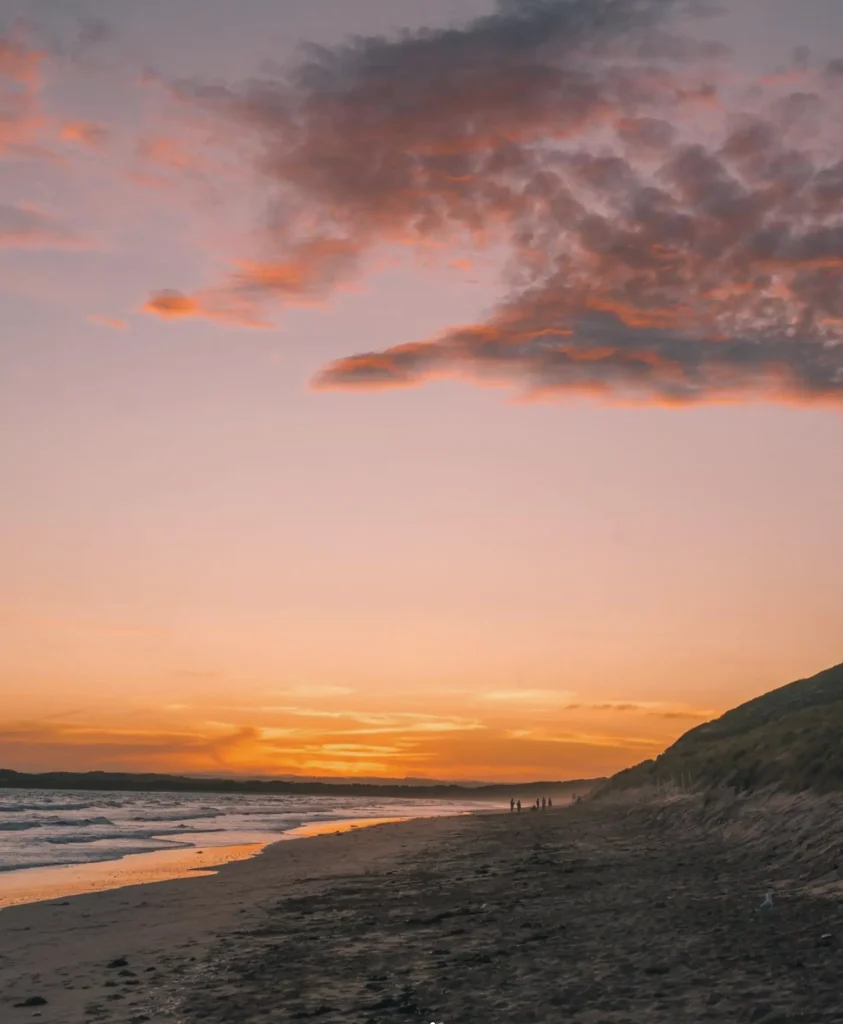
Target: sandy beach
column 596, row 913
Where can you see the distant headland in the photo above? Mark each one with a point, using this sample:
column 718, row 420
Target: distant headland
column 404, row 788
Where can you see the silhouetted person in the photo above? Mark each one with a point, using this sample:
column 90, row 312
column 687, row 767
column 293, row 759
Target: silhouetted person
column 511, row 804
column 549, row 803
column 517, row 806
column 544, row 803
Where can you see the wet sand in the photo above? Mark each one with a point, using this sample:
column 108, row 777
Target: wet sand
column 54, row 883
column 596, row 914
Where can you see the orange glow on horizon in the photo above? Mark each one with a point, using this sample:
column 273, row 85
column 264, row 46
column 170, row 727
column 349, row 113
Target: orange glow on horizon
column 512, row 735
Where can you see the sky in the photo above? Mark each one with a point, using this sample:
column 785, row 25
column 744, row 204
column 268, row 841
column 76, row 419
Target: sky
column 435, row 388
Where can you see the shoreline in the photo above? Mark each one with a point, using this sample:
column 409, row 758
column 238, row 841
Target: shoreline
column 25, row 886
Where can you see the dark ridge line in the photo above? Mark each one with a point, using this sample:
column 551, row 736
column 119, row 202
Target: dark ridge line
column 130, row 782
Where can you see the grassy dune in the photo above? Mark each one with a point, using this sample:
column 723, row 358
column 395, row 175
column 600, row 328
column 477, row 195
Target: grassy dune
column 791, row 737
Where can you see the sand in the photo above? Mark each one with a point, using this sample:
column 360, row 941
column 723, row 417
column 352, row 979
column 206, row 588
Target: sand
column 58, row 882
column 599, row 914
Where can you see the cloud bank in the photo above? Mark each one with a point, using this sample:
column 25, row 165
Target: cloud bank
column 675, row 229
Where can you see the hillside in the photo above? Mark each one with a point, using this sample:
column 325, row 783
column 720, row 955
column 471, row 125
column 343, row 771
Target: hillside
column 791, row 737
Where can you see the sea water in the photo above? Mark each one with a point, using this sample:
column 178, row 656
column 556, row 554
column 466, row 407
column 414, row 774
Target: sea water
column 46, row 828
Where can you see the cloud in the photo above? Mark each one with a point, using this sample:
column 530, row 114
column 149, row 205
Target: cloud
column 24, row 226
column 506, row 739
column 371, row 722
column 690, row 716
column 716, row 276
column 167, row 153
column 216, row 305
column 335, row 746
column 387, row 141
column 114, row 323
column 675, row 238
column 306, row 274
column 21, row 118
column 173, row 304
column 54, row 743
column 86, row 133
column 562, row 700
column 651, row 744
column 43, row 742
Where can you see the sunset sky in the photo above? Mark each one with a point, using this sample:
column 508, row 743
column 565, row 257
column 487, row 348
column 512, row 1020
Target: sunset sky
column 414, row 387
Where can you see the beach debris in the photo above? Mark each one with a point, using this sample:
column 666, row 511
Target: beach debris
column 121, row 961
column 826, row 939
column 31, row 1001
column 768, row 902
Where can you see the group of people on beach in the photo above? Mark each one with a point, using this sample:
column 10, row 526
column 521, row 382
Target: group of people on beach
column 541, row 804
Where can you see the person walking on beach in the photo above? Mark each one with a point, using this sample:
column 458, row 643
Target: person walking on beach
column 544, row 803
column 549, row 803
column 517, row 806
column 511, row 804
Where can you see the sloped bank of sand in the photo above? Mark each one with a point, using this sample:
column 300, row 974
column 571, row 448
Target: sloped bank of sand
column 599, row 913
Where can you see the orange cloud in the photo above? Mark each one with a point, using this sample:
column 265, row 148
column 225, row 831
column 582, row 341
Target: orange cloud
column 168, row 153
column 173, row 304
column 114, row 323
column 308, row 740
column 86, row 133
column 219, row 307
column 310, row 270
column 21, row 118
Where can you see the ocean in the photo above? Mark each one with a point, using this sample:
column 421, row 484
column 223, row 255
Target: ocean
column 50, row 828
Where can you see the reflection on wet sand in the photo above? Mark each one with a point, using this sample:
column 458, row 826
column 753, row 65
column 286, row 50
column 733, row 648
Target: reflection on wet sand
column 32, row 885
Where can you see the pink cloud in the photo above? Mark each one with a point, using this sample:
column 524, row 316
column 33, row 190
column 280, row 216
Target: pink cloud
column 21, row 117
column 216, row 306
column 646, row 266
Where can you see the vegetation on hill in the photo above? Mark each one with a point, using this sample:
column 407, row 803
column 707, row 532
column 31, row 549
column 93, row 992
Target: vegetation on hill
column 791, row 737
